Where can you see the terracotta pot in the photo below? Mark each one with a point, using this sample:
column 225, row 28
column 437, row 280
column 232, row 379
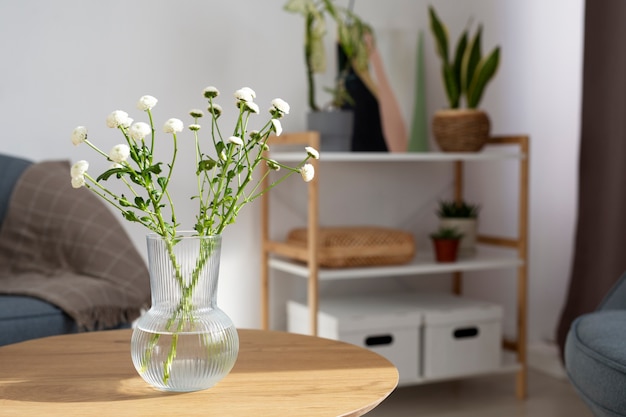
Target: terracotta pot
column 461, row 130
column 446, row 250
column 465, row 225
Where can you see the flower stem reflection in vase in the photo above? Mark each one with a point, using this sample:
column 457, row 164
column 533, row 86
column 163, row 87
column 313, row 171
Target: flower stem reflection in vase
column 185, row 342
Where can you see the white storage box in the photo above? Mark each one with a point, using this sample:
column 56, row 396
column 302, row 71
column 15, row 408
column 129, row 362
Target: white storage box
column 427, row 336
column 370, row 322
column 459, row 336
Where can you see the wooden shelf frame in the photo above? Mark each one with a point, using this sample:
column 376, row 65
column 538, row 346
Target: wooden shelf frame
column 308, row 255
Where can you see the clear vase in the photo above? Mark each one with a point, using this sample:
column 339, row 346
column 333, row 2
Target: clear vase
column 184, row 342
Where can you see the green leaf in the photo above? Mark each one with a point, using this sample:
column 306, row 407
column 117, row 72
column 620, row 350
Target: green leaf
column 471, row 60
column 458, row 62
column 140, row 203
column 106, row 174
column 162, row 181
column 484, row 72
column 205, row 165
column 452, row 88
column 155, row 169
column 124, row 202
column 130, row 216
column 440, row 33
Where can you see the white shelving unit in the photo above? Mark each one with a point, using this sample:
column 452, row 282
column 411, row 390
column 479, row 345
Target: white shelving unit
column 302, row 262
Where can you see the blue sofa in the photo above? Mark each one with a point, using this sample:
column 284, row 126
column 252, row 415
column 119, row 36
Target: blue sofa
column 595, row 354
column 24, row 317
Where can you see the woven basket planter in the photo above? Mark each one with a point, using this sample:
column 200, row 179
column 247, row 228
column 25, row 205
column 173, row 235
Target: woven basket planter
column 461, row 130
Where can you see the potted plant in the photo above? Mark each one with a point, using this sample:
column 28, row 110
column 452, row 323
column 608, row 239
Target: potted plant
column 333, row 122
column 446, row 243
column 465, row 76
column 462, row 216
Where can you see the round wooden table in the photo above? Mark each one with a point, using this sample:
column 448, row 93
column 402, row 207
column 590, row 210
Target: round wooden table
column 276, row 374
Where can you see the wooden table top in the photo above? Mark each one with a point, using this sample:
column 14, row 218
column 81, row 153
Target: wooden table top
column 276, row 374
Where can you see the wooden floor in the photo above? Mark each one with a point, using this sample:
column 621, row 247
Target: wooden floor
column 492, row 396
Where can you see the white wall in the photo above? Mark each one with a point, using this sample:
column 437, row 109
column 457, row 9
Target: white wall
column 71, row 62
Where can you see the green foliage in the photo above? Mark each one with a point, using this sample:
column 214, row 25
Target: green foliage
column 447, row 233
column 225, row 182
column 351, row 31
column 457, row 209
column 469, row 73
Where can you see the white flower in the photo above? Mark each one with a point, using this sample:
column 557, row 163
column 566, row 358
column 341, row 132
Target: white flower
column 139, row 130
column 252, row 106
column 79, row 135
column 173, row 126
column 215, row 109
column 245, row 94
column 278, row 128
column 196, row 113
column 312, row 152
column 146, row 103
column 236, row 140
column 195, row 127
column 119, row 153
column 279, row 108
column 119, row 118
column 79, row 168
column 223, row 156
column 211, row 92
column 308, row 172
column 78, row 182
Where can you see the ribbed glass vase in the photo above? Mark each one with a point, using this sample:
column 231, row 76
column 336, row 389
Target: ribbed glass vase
column 184, row 342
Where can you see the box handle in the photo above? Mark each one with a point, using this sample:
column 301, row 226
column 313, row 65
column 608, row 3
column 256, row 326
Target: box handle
column 466, row 332
column 386, row 339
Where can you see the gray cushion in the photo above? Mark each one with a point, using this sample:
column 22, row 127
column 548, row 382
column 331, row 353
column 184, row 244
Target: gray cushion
column 10, row 170
column 595, row 358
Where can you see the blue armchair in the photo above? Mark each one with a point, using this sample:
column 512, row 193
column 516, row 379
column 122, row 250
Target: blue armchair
column 595, row 354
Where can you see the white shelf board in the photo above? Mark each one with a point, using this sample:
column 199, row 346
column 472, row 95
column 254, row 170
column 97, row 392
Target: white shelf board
column 423, row 263
column 401, row 157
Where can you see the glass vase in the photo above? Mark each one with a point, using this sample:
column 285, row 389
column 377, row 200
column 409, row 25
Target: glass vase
column 184, row 342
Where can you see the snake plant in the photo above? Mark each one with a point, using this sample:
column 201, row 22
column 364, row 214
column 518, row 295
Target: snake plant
column 468, row 72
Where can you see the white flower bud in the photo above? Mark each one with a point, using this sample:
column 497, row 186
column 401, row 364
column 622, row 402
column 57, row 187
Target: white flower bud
column 79, row 135
column 277, row 127
column 236, row 140
column 119, row 118
column 119, row 153
column 173, row 126
column 245, row 94
column 312, row 152
column 78, row 182
column 146, row 103
column 211, row 92
column 139, row 130
column 79, row 168
column 280, row 105
column 308, row 172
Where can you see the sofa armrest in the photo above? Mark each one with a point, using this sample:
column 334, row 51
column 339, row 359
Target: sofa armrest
column 616, row 297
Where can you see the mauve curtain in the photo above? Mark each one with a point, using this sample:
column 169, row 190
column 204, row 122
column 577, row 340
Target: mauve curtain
column 600, row 248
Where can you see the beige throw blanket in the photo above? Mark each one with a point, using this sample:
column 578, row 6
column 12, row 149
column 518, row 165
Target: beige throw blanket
column 66, row 247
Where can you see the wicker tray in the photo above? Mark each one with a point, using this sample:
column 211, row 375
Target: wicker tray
column 344, row 247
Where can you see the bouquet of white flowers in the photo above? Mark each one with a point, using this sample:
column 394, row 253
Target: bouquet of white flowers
column 225, row 183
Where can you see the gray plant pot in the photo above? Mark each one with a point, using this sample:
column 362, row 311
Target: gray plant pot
column 335, row 127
